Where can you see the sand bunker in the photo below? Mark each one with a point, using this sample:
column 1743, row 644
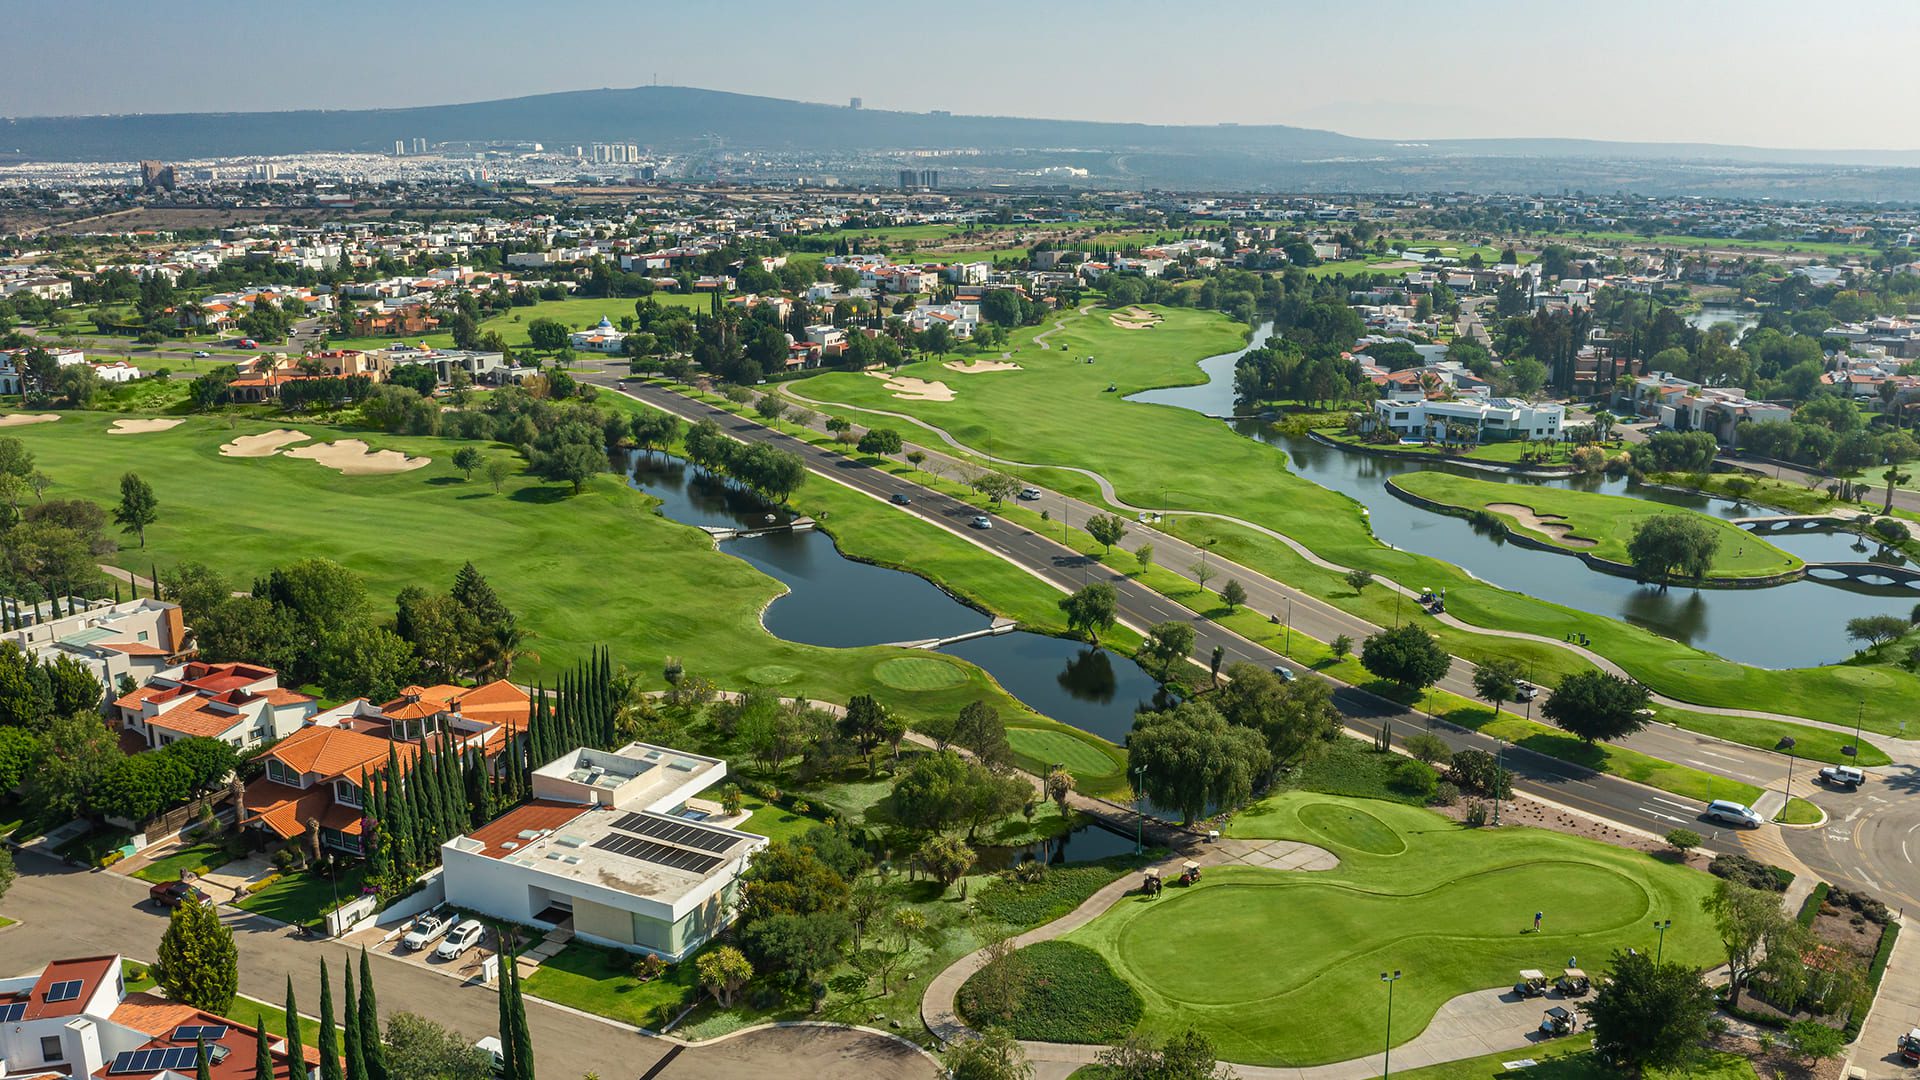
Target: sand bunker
column 1133, row 318
column 351, row 457
column 141, row 427
column 977, row 367
column 1553, row 525
column 20, row 419
column 265, row 444
column 907, row 388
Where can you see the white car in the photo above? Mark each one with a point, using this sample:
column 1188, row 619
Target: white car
column 1525, row 691
column 425, row 931
column 982, row 521
column 1030, row 494
column 1843, row 776
column 201, row 354
column 1728, row 812
column 490, row 1046
column 460, row 939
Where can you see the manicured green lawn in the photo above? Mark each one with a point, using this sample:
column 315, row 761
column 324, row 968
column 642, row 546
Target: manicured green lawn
column 774, row 822
column 1798, row 811
column 512, row 325
column 601, row 982
column 1056, row 410
column 1571, row 1058
column 302, row 897
column 196, row 857
column 250, row 1011
column 1283, row 968
column 600, row 567
column 1602, row 525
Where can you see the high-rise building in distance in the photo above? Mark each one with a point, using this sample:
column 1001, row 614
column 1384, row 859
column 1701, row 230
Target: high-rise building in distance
column 156, row 176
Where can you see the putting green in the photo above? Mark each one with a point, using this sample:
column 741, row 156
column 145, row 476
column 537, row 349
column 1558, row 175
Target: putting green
column 1077, row 754
column 1283, row 968
column 772, row 674
column 1352, row 827
column 919, row 673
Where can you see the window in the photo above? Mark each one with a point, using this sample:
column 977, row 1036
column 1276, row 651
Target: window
column 280, row 774
column 51, row 1048
column 143, row 636
column 346, row 793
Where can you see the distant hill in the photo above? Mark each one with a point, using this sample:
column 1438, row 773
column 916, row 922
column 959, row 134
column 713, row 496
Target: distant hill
column 1272, row 157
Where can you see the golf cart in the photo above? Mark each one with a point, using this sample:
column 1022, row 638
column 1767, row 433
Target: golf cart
column 1909, row 1047
column 1189, row 872
column 1556, row 1022
column 1532, row 984
column 1151, row 885
column 1572, row 983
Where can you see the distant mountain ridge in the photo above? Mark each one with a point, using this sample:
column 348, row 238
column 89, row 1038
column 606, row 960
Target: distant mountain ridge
column 1259, row 156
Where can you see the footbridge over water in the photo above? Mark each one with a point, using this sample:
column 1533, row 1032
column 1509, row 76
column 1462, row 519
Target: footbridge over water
column 1866, row 573
column 1782, row 523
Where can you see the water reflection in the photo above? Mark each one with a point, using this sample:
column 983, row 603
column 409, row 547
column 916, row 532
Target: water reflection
column 1089, row 677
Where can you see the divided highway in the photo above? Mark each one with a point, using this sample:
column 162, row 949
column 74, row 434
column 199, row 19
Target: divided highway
column 1607, row 797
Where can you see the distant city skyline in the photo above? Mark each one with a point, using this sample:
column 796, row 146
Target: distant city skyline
column 1760, row 73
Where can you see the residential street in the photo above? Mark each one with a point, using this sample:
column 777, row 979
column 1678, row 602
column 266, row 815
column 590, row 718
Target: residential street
column 66, row 912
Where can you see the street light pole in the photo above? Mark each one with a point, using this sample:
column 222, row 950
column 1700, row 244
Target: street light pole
column 1139, row 816
column 1386, row 1065
column 1289, row 626
column 1661, row 949
column 1499, row 766
column 1787, row 743
column 1858, row 718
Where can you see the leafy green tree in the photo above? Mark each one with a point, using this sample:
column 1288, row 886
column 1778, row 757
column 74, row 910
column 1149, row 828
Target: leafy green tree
column 1296, row 718
column 1598, row 706
column 1358, row 580
column 1107, row 530
column 798, row 946
column 423, row 1050
column 365, row 661
column 1666, row 546
column 982, row 732
column 1168, row 643
column 1497, row 680
column 467, row 459
column 1406, row 655
column 1649, row 1016
column 1090, row 610
column 996, row 486
column 1477, row 770
column 866, row 724
column 1234, row 594
column 497, row 473
column 880, row 441
column 1341, row 647
column 76, row 754
column 1815, row 1041
column 1190, row 757
column 197, row 963
column 992, row 1055
column 723, row 971
column 548, row 335
column 1876, row 630
column 1747, row 918
column 947, row 858
column 138, row 508
column 572, row 463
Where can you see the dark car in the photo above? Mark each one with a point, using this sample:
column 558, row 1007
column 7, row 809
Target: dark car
column 901, row 498
column 171, row 894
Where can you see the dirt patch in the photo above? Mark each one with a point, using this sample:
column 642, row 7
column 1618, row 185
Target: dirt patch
column 978, row 367
column 1553, row 525
column 907, row 388
column 1524, row 811
column 265, row 444
column 351, row 457
column 141, row 427
column 21, row 419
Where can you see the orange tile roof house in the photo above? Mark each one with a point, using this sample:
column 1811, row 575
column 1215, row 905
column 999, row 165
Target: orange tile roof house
column 316, row 772
column 75, row 1018
column 241, row 704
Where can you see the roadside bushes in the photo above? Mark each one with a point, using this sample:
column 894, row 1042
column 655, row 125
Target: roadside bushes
column 1068, row 993
column 1752, row 873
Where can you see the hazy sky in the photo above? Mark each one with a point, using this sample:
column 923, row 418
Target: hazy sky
column 1786, row 73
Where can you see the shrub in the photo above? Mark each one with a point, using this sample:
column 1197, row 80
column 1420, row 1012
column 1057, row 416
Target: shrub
column 1071, row 995
column 1872, row 910
column 1479, row 771
column 262, row 883
column 1752, row 873
column 1810, row 910
column 1444, row 794
column 1683, row 840
column 1410, row 777
column 1428, row 747
column 649, row 967
column 109, row 859
column 1477, row 814
column 1023, row 904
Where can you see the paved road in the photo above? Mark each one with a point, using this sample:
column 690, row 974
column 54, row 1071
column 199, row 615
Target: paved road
column 66, row 912
column 1603, row 796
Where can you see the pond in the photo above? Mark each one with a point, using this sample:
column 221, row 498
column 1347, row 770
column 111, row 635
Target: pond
column 837, row 602
column 1085, row 844
column 1790, row 625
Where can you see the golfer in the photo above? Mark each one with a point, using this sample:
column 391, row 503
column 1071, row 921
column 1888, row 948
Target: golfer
column 1537, row 916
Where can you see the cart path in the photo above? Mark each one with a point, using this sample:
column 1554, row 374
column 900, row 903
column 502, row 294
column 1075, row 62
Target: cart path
column 1470, row 1025
column 1900, row 750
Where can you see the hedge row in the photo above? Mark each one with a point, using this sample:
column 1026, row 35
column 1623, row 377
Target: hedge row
column 1810, row 910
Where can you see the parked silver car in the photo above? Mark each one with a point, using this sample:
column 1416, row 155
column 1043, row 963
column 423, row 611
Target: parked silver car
column 460, row 939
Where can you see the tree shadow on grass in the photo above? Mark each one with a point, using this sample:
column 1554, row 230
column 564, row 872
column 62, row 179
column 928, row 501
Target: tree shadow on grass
column 539, row 495
column 443, row 481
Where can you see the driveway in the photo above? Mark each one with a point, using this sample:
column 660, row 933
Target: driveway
column 67, row 912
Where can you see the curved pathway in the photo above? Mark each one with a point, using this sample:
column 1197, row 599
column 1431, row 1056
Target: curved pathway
column 1462, row 680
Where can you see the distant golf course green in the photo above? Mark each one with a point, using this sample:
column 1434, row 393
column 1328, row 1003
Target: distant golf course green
column 1602, row 525
column 1283, row 968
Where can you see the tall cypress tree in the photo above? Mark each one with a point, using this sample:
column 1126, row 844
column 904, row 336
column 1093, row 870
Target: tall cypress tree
column 522, row 1039
column 454, row 791
column 202, row 1068
column 262, row 1053
column 372, row 1051
column 399, row 813
column 353, row 1050
column 329, row 1035
column 296, row 1053
column 507, row 1054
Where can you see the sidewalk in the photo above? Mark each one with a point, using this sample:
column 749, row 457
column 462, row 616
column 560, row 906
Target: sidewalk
column 1896, row 1010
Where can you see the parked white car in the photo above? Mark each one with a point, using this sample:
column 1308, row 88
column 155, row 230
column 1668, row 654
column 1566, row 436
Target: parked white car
column 1030, row 494
column 1842, row 776
column 425, row 931
column 460, row 939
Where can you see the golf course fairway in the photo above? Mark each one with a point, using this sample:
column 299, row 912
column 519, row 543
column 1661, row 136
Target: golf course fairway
column 1283, row 968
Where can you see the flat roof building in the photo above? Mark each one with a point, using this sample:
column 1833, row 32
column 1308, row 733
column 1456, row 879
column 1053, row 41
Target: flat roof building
column 609, row 848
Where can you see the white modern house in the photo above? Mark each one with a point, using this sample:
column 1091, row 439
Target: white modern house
column 135, row 638
column 1490, row 419
column 602, row 338
column 613, row 846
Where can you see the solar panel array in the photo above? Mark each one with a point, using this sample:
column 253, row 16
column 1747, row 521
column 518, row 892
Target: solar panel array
column 64, row 991
column 634, row 847
column 12, row 1013
column 190, row 1032
column 676, row 832
column 176, row 1058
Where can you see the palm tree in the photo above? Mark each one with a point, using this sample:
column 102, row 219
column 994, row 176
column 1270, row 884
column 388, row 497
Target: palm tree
column 1603, row 422
column 504, row 648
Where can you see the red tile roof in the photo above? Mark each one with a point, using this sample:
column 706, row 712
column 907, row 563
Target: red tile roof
column 89, row 971
column 158, row 1019
column 535, row 816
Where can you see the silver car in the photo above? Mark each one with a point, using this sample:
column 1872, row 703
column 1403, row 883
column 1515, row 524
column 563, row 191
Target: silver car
column 1728, row 812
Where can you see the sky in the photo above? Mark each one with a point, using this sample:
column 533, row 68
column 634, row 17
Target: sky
column 1778, row 73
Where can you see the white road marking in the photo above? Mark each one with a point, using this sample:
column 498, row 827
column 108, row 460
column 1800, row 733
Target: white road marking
column 1651, row 812
column 1723, row 757
column 1866, row 877
column 1670, row 802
